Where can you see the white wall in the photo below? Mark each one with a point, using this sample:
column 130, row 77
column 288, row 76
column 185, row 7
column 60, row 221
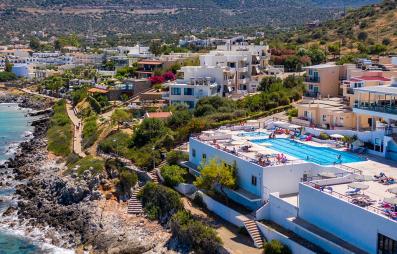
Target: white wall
column 223, row 211
column 351, row 223
column 245, row 169
column 271, row 234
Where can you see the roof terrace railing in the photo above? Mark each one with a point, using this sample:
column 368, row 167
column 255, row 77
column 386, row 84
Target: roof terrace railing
column 242, row 156
column 349, row 199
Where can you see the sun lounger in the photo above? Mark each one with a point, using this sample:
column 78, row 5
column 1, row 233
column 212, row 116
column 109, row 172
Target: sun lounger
column 353, row 192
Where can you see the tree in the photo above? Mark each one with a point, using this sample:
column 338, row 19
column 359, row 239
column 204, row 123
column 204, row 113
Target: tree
column 276, row 247
column 266, row 82
column 160, row 202
column 150, row 130
column 386, row 41
column 216, row 175
column 119, row 116
column 34, row 43
column 8, row 66
column 179, row 118
column 7, row 76
column 195, row 234
column 377, row 49
column 127, row 180
column 173, row 175
column 334, row 49
column 362, row 36
column 155, row 47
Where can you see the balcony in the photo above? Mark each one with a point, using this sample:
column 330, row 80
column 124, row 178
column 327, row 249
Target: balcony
column 389, row 109
column 243, row 81
column 312, row 79
column 243, row 69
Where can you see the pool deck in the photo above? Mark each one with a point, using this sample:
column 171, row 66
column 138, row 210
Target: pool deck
column 372, row 166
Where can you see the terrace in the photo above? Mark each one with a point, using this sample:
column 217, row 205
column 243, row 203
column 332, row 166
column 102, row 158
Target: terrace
column 363, row 191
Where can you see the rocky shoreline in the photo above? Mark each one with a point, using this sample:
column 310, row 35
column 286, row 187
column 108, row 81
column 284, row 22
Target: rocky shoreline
column 70, row 211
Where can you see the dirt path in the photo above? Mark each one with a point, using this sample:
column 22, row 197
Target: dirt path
column 233, row 241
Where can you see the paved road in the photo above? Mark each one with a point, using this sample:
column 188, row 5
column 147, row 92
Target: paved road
column 78, row 131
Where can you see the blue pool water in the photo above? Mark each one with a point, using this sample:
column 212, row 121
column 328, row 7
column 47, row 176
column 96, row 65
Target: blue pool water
column 319, row 155
column 254, row 134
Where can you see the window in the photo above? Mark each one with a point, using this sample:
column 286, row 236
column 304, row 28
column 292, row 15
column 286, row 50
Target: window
column 188, row 91
column 324, row 118
column 253, row 180
column 386, row 245
column 194, row 153
column 306, row 114
column 204, row 157
column 175, row 91
column 311, row 87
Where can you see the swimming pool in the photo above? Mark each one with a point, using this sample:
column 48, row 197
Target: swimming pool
column 254, row 134
column 319, row 155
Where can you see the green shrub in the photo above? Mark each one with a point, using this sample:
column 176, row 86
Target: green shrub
column 174, row 156
column 293, row 112
column 96, row 166
column 160, row 202
column 90, row 131
column 276, row 247
column 173, row 175
column 60, row 133
column 195, row 234
column 127, row 180
column 324, row 136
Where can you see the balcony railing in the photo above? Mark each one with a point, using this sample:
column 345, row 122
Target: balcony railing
column 312, row 79
column 389, row 109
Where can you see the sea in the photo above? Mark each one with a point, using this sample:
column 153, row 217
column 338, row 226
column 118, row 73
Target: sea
column 15, row 127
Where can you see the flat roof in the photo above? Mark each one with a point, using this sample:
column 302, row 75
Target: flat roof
column 370, row 78
column 97, row 90
column 391, row 90
column 320, row 66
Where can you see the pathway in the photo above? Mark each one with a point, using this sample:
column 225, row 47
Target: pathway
column 78, row 131
column 25, row 90
column 233, row 241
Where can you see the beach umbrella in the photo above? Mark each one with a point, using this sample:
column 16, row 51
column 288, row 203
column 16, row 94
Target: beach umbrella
column 393, row 190
column 392, row 201
column 359, row 186
column 363, row 178
column 337, row 136
column 327, row 175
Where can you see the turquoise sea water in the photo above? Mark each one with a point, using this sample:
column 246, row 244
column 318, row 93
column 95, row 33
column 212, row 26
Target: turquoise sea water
column 319, row 155
column 13, row 129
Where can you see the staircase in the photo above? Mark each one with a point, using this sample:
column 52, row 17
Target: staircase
column 134, row 204
column 254, row 232
column 153, row 175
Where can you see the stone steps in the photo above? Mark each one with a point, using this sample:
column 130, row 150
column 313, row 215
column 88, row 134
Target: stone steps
column 254, row 232
column 134, row 204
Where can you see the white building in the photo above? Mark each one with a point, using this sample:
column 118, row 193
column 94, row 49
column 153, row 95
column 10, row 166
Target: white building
column 240, row 62
column 195, row 83
column 309, row 198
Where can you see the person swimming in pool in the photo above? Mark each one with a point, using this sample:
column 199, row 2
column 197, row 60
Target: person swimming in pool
column 339, row 157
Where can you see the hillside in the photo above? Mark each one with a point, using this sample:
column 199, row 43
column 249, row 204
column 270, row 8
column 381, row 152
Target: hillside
column 361, row 28
column 161, row 16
